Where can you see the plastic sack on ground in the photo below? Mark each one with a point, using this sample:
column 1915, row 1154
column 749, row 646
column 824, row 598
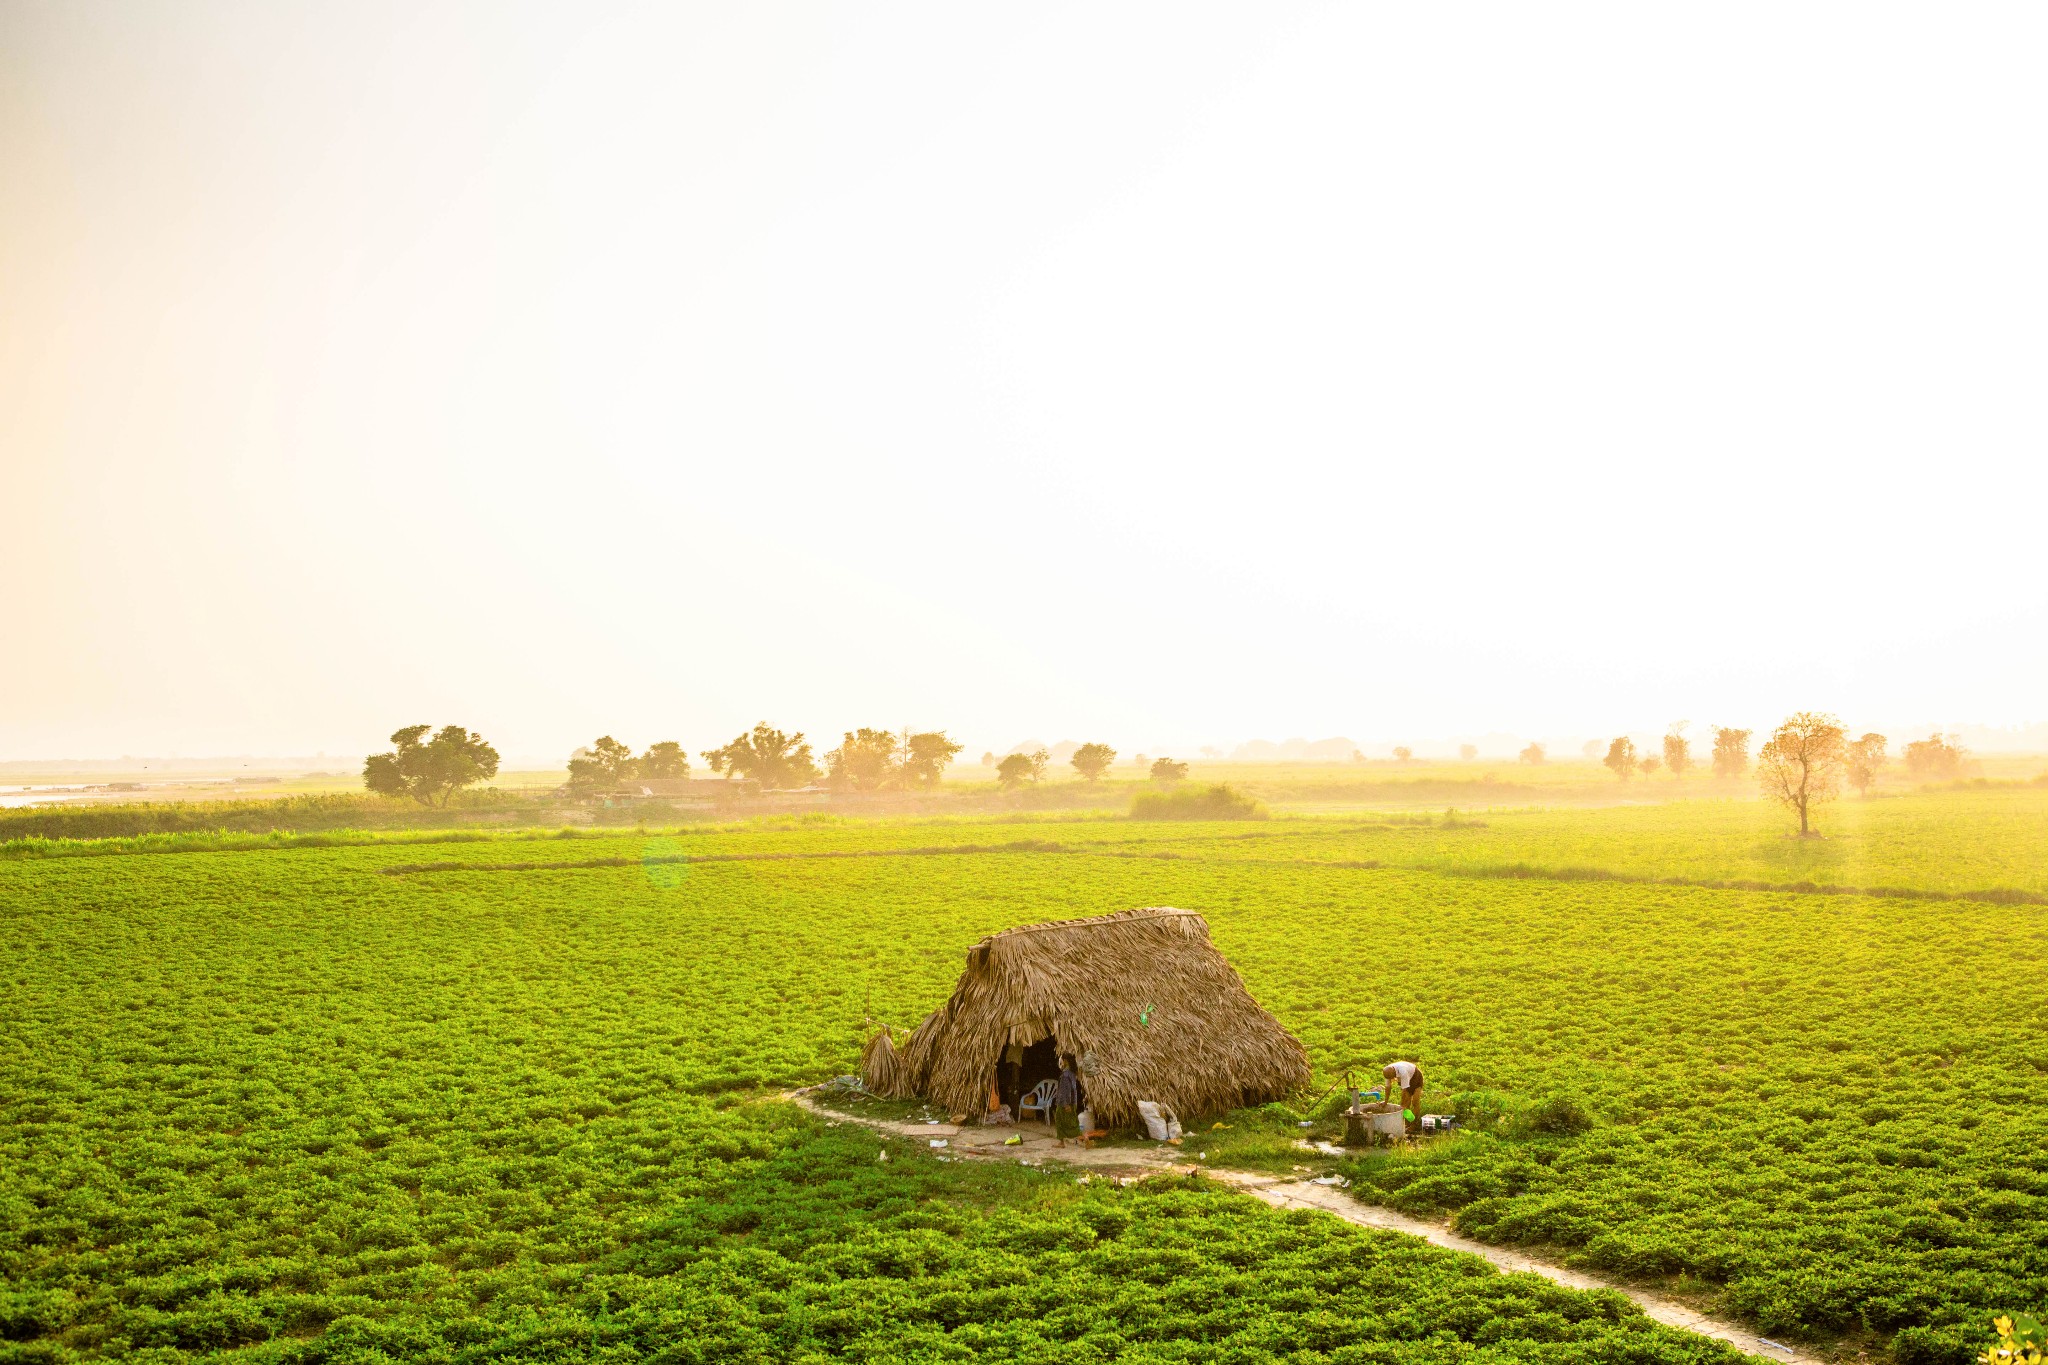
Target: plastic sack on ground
column 1161, row 1123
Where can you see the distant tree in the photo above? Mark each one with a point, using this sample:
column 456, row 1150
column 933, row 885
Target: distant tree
column 1211, row 751
column 1533, row 754
column 1039, row 759
column 1167, row 771
column 1593, row 748
column 865, row 761
column 1865, row 757
column 1357, row 755
column 1092, row 760
column 769, row 758
column 925, row 758
column 1621, row 757
column 1731, row 751
column 430, row 770
column 1935, row 756
column 988, row 759
column 1468, row 752
column 665, row 759
column 1647, row 764
column 1014, row 771
column 1677, row 750
column 1801, row 764
column 1141, row 761
column 1402, row 753
column 602, row 766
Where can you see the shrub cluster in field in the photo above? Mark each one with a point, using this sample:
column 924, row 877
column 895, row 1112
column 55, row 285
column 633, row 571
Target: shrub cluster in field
column 285, row 1092
column 1219, row 801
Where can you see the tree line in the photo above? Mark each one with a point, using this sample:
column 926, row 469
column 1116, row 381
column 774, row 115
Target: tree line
column 768, row 759
column 762, row 759
column 1805, row 762
column 1091, row 761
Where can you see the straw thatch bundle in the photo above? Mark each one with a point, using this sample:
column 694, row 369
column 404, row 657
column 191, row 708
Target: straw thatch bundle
column 881, row 1069
column 1143, row 1000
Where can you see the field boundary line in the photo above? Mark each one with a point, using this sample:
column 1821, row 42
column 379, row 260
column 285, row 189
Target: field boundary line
column 779, row 856
column 1488, row 872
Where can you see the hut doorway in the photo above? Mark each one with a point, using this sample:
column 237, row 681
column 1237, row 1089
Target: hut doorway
column 1038, row 1062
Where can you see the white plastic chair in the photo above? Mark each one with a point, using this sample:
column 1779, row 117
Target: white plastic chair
column 1039, row 1099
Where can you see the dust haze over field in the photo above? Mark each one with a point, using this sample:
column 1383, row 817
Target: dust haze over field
column 1177, row 379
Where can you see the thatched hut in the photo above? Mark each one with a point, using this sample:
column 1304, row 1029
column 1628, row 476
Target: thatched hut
column 1141, row 999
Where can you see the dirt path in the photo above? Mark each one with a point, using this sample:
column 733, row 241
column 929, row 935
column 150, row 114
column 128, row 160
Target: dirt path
column 973, row 1141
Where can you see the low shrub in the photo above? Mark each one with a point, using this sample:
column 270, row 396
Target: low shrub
column 1930, row 1346
column 1558, row 1115
column 1219, row 802
column 1480, row 1110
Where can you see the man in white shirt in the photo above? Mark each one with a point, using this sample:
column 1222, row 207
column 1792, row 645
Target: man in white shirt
column 1407, row 1078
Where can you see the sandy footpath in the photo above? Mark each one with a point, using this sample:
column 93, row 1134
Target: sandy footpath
column 975, row 1141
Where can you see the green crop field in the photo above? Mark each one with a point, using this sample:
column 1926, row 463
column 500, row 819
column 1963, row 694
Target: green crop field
column 503, row 1097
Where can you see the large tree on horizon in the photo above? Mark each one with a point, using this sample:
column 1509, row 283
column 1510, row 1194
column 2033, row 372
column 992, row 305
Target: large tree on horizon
column 430, row 771
column 1093, row 760
column 666, row 759
column 1866, row 756
column 1677, row 749
column 767, row 757
column 605, row 764
column 925, row 757
column 865, row 761
column 1801, row 764
column 1731, row 751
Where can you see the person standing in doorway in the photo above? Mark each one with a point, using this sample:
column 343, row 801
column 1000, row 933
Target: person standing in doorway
column 1066, row 1103
column 1406, row 1077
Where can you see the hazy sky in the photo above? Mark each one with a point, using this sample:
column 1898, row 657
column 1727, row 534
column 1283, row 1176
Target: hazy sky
column 1155, row 374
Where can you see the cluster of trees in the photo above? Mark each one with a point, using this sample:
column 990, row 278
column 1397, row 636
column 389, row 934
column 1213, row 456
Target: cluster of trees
column 867, row 760
column 1937, row 756
column 1090, row 760
column 881, row 760
column 608, row 764
column 1807, row 760
column 766, row 757
column 1730, row 756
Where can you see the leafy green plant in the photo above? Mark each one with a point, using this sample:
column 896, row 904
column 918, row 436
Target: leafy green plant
column 2021, row 1341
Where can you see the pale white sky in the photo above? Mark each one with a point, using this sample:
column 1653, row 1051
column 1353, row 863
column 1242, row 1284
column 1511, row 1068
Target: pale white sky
column 1157, row 374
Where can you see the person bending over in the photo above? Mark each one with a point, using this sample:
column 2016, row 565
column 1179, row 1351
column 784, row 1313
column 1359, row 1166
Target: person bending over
column 1407, row 1078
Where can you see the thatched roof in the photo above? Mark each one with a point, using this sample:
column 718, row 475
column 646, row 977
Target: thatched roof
column 1141, row 997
